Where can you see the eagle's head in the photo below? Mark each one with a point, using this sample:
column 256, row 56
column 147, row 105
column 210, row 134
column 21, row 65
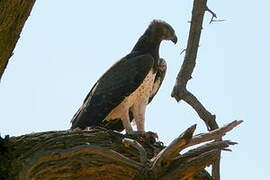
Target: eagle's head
column 161, row 30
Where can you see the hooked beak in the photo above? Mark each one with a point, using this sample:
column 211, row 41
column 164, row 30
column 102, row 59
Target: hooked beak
column 174, row 39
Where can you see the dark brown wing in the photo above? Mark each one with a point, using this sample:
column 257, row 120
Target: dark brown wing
column 116, row 124
column 123, row 78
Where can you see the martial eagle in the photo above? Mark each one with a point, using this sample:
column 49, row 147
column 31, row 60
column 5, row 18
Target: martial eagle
column 124, row 90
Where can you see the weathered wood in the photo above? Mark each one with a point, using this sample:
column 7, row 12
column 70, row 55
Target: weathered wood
column 167, row 154
column 73, row 154
column 13, row 14
column 212, row 135
column 131, row 142
column 104, row 154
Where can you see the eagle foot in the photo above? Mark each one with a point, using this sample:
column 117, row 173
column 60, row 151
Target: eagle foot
column 149, row 137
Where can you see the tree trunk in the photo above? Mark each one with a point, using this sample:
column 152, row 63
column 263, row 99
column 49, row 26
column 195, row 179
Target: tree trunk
column 105, row 154
column 13, row 14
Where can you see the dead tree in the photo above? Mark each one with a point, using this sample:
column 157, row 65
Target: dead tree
column 104, row 154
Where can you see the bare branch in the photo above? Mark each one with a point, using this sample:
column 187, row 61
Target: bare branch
column 191, row 51
column 207, row 147
column 172, row 150
column 180, row 91
column 213, row 16
column 188, row 164
column 213, row 135
column 203, row 113
column 171, row 153
column 192, row 167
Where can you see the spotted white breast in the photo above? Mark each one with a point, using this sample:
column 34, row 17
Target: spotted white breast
column 136, row 101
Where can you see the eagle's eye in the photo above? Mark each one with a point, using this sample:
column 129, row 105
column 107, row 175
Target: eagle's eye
column 167, row 33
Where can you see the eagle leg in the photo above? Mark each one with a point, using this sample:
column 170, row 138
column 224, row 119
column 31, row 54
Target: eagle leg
column 139, row 117
column 126, row 123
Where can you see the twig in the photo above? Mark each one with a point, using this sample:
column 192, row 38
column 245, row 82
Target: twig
column 184, row 50
column 130, row 142
column 213, row 14
column 219, row 20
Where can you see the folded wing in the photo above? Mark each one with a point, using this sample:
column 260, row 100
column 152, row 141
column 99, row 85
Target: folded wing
column 123, row 78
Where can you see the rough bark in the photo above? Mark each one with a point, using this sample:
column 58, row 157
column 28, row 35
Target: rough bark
column 13, row 14
column 104, row 154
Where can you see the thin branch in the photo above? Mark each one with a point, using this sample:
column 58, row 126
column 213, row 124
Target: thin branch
column 203, row 113
column 213, row 16
column 219, row 20
column 130, row 142
column 180, row 91
column 184, row 50
column 191, row 51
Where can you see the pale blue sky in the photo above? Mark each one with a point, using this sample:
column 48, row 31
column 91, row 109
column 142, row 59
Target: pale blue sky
column 66, row 45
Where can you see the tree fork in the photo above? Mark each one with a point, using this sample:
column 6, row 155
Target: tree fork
column 180, row 91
